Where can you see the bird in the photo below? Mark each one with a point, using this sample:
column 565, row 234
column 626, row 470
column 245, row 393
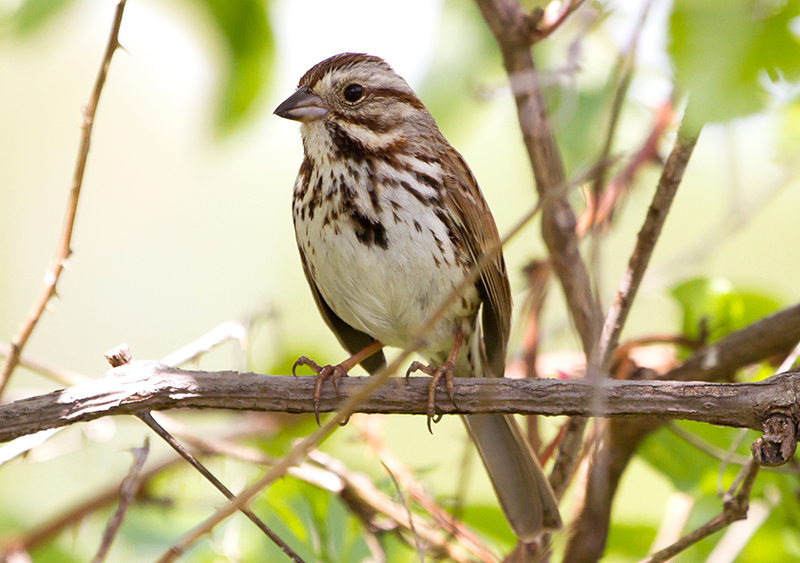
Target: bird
column 389, row 220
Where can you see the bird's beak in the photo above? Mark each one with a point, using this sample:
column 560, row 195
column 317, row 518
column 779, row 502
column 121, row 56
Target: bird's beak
column 304, row 105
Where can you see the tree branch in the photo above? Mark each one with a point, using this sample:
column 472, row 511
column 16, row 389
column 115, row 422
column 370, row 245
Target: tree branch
column 150, row 385
column 645, row 244
column 772, row 335
column 512, row 30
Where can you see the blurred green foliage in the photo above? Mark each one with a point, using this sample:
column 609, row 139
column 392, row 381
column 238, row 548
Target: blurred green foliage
column 31, row 15
column 712, row 307
column 722, row 51
column 243, row 30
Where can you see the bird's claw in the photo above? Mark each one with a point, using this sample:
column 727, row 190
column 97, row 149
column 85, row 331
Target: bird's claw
column 445, row 371
column 323, row 372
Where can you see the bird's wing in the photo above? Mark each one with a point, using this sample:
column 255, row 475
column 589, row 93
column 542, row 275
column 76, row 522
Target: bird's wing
column 480, row 233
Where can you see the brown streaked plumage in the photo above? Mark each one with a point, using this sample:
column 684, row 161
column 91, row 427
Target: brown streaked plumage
column 389, row 219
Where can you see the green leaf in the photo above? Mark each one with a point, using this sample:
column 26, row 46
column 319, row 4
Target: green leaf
column 678, row 461
column 789, row 133
column 718, row 306
column 32, row 15
column 245, row 31
column 690, row 468
column 489, row 520
column 721, row 50
column 632, row 540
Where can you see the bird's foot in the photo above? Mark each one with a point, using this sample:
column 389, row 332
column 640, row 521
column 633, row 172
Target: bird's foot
column 334, row 373
column 445, row 372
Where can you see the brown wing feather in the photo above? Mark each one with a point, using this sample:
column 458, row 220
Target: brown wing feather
column 351, row 339
column 480, row 233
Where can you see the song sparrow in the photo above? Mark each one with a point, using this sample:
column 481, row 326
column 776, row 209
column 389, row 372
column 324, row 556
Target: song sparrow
column 389, row 219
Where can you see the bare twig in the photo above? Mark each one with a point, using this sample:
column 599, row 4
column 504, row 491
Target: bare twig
column 734, row 508
column 399, row 489
column 127, row 492
column 623, row 73
column 121, row 356
column 223, row 333
column 706, row 447
column 401, row 473
column 63, row 249
column 358, row 489
column 62, row 376
column 772, row 335
column 645, row 243
column 148, row 419
column 548, row 23
column 48, row 530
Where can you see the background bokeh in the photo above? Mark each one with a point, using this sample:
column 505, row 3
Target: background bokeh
column 184, row 219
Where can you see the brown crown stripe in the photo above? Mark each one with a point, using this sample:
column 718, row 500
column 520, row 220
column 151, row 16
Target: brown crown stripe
column 343, row 60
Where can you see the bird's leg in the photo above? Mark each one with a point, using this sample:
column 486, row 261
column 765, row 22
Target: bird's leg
column 445, row 371
column 334, row 372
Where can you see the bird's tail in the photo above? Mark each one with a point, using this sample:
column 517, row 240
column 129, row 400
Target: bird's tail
column 525, row 496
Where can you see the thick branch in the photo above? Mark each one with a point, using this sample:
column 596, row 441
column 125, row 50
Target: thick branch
column 511, row 27
column 772, row 335
column 149, row 385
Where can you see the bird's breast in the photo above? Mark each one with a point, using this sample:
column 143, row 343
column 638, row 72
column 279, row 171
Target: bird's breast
column 382, row 249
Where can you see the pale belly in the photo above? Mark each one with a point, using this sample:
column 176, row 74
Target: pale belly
column 389, row 285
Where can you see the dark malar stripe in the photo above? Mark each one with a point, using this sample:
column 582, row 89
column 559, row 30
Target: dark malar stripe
column 349, row 148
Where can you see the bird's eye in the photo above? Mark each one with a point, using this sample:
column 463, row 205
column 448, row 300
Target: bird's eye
column 353, row 92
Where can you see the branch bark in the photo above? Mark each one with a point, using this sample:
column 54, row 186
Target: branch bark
column 150, row 385
column 772, row 335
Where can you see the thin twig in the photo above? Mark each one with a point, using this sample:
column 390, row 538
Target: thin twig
column 548, row 25
column 789, row 361
column 416, row 491
column 63, row 249
column 511, row 28
column 621, row 78
column 45, row 532
column 148, row 419
column 399, row 489
column 127, row 492
column 645, row 243
column 733, row 509
column 728, row 458
column 62, row 376
column 121, row 355
column 706, row 447
column 222, row 333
